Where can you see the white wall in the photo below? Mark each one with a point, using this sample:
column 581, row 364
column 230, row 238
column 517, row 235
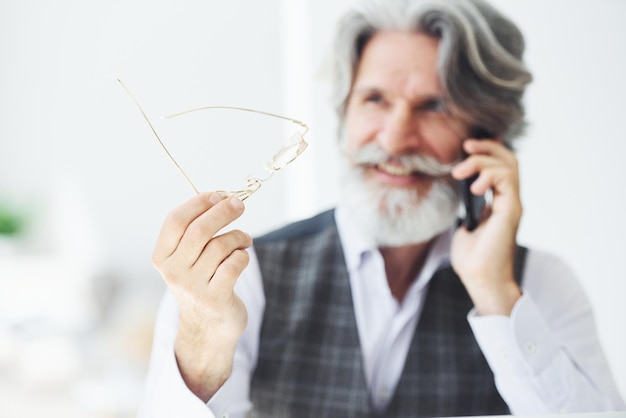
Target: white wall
column 68, row 129
column 65, row 122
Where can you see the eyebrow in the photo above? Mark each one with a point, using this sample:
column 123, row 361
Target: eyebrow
column 368, row 89
column 364, row 90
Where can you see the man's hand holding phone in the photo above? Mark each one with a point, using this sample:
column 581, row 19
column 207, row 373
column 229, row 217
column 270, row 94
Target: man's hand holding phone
column 484, row 257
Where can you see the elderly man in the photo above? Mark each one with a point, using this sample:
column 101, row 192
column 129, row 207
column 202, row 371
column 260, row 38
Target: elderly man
column 386, row 306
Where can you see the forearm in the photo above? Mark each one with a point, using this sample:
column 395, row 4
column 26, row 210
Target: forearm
column 498, row 298
column 538, row 371
column 166, row 393
column 204, row 368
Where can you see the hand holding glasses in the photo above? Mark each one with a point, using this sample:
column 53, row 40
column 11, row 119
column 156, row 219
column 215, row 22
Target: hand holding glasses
column 288, row 153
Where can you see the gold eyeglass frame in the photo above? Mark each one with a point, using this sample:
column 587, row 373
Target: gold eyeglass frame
column 282, row 158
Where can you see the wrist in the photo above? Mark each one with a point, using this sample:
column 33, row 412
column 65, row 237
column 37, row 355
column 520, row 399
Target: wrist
column 495, row 298
column 204, row 367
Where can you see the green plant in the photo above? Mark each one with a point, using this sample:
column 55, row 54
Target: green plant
column 11, row 222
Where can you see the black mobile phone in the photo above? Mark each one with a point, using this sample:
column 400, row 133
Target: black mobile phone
column 473, row 204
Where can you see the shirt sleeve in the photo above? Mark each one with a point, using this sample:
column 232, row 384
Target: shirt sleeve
column 546, row 357
column 166, row 394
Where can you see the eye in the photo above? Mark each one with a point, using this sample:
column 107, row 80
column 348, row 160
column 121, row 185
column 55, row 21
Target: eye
column 435, row 105
column 374, row 97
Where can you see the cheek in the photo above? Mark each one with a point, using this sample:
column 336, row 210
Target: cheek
column 445, row 145
column 359, row 130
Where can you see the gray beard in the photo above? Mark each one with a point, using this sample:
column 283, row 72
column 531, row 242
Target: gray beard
column 399, row 216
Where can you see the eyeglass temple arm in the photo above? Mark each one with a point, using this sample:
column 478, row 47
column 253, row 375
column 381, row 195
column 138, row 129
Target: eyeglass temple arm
column 158, row 137
column 297, row 122
column 242, row 194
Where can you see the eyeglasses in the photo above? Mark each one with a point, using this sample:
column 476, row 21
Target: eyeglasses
column 285, row 155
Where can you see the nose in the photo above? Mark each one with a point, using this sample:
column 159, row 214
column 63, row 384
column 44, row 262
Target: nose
column 401, row 132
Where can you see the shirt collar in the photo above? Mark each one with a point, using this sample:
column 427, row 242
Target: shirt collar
column 357, row 245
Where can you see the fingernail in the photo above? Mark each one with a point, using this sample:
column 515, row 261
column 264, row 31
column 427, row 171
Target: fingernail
column 236, row 203
column 215, row 198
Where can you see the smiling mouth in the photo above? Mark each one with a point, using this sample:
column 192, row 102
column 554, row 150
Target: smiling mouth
column 397, row 170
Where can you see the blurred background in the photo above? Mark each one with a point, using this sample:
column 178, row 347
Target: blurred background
column 84, row 185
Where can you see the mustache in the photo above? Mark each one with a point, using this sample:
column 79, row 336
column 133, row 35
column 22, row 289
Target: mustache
column 373, row 154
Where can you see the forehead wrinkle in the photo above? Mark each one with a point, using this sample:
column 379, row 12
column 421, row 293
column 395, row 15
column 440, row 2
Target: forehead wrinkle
column 405, row 66
column 417, row 87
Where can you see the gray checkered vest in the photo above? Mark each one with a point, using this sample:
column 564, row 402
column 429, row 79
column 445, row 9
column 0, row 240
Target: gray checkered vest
column 310, row 361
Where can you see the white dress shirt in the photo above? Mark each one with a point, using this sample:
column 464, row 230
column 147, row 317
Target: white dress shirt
column 546, row 356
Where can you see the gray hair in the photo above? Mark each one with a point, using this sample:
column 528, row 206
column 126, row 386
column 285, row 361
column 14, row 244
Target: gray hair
column 480, row 57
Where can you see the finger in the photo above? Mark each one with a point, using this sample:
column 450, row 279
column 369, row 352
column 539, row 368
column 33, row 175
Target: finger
column 500, row 179
column 473, row 165
column 497, row 157
column 202, row 229
column 494, row 148
column 217, row 250
column 178, row 220
column 223, row 281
